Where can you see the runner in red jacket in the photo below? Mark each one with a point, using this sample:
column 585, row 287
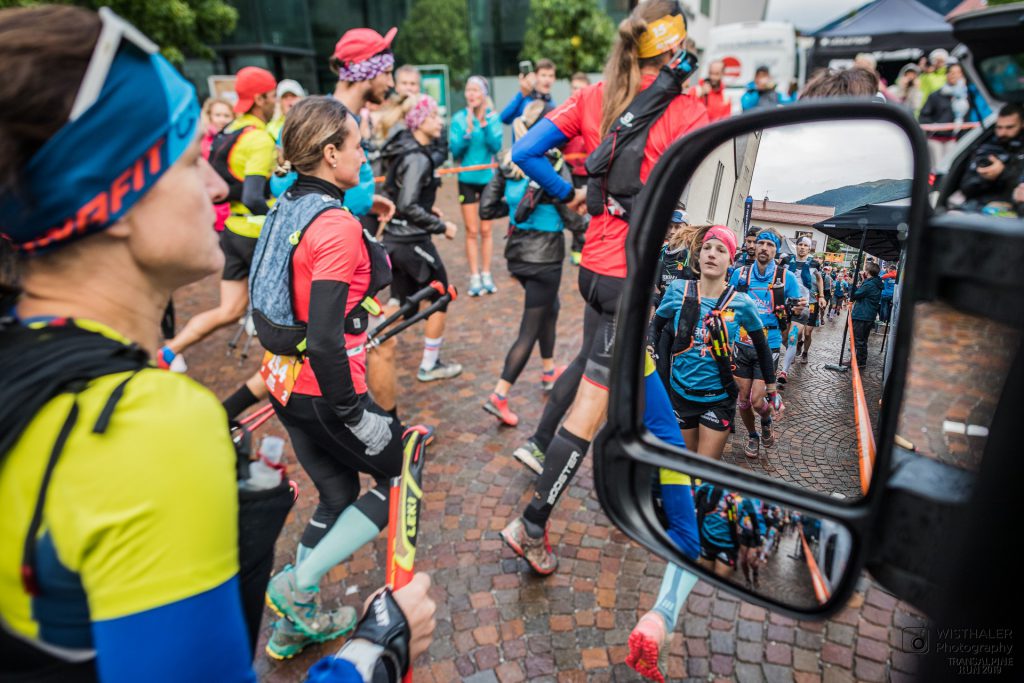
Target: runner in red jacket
column 648, row 39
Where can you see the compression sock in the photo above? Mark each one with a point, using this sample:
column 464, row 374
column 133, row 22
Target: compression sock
column 301, row 553
column 787, row 362
column 236, row 403
column 562, row 459
column 352, row 531
column 431, row 351
column 676, row 585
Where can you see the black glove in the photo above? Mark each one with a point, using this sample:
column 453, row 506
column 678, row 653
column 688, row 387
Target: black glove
column 383, row 635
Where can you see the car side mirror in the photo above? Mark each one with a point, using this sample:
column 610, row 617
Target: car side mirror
column 851, row 177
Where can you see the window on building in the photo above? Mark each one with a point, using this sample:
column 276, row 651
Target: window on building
column 719, row 172
column 705, row 7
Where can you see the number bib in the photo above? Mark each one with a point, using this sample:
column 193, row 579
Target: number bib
column 279, row 374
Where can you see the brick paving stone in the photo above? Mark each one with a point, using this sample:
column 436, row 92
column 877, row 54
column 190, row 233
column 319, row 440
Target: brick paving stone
column 868, row 630
column 749, row 673
column 722, row 664
column 774, row 673
column 867, row 670
column 722, row 643
column 749, row 630
column 750, row 652
column 481, row 677
column 805, row 677
column 778, row 653
column 780, row 634
column 833, row 674
column 840, row 633
column 595, row 658
column 837, row 654
column 872, row 649
column 806, row 639
column 805, row 660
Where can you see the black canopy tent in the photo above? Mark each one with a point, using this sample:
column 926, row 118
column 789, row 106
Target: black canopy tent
column 873, row 228
column 892, row 30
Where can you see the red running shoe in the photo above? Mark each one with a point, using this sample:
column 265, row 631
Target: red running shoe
column 498, row 407
column 648, row 647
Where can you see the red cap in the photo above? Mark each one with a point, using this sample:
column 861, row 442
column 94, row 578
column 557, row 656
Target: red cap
column 250, row 82
column 724, row 235
column 359, row 44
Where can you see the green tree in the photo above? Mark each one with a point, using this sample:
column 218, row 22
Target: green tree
column 179, row 27
column 575, row 34
column 436, row 32
column 834, row 245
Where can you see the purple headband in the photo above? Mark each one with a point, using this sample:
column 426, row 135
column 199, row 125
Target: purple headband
column 420, row 112
column 481, row 82
column 365, row 70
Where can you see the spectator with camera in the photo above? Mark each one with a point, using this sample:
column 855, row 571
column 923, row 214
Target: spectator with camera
column 997, row 166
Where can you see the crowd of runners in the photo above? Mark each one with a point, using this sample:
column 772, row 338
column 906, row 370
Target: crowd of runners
column 281, row 193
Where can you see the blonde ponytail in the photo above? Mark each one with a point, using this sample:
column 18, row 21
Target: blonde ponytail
column 622, row 72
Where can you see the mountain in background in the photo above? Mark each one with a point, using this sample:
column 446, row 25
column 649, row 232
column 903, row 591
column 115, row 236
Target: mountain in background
column 851, row 196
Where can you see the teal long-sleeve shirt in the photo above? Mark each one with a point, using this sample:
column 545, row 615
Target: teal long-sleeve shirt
column 478, row 147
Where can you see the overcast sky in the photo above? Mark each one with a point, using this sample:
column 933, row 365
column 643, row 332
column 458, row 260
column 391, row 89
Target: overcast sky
column 794, row 162
column 809, row 15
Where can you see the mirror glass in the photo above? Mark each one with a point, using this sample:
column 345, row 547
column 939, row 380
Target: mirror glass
column 776, row 552
column 818, row 212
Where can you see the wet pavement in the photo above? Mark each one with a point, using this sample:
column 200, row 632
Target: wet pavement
column 496, row 622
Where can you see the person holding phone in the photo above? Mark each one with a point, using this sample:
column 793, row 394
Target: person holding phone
column 534, row 84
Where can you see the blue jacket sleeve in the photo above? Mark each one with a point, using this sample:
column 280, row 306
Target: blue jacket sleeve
column 528, row 154
column 149, row 646
column 360, row 198
column 749, row 99
column 513, row 109
column 493, row 133
column 458, row 143
column 333, row 670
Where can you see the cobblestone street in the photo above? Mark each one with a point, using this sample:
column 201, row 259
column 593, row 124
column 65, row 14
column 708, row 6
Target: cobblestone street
column 497, row 622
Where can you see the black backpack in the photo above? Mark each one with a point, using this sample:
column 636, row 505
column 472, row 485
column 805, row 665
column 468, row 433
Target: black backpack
column 717, row 333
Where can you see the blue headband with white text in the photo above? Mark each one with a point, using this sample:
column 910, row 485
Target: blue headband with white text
column 108, row 156
column 771, row 238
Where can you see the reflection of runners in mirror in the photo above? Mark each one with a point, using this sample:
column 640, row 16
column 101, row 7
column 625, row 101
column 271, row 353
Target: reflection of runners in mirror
column 286, row 641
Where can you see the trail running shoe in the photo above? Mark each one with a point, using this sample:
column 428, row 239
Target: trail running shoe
column 530, row 455
column 498, row 407
column 753, row 447
column 287, row 641
column 488, row 283
column 293, row 603
column 549, row 377
column 536, row 551
column 803, row 358
column 648, row 647
column 476, row 287
column 439, row 371
column 781, row 377
column 768, row 434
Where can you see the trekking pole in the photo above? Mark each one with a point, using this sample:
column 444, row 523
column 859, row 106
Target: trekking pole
column 233, row 342
column 406, row 497
column 430, row 292
column 375, row 339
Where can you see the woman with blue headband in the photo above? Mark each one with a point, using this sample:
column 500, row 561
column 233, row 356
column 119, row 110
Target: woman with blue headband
column 119, row 554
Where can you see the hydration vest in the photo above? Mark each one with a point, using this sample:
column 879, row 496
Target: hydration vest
column 675, row 265
column 220, row 153
column 804, row 269
column 716, row 334
column 270, row 282
column 613, row 168
column 778, row 293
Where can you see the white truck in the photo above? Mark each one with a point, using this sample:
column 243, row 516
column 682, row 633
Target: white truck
column 744, row 46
